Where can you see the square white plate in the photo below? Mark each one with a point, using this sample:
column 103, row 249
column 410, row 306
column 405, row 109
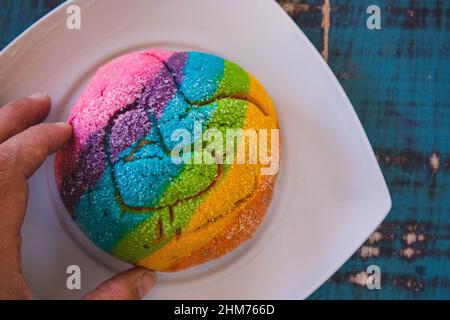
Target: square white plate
column 330, row 193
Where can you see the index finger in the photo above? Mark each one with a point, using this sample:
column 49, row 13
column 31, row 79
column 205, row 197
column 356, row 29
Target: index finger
column 16, row 116
column 27, row 150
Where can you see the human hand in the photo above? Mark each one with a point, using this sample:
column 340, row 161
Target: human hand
column 24, row 145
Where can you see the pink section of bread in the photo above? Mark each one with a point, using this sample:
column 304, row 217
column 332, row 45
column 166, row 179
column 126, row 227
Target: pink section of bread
column 114, row 86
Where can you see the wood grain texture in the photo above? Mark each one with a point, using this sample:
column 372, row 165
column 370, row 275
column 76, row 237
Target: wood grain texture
column 398, row 79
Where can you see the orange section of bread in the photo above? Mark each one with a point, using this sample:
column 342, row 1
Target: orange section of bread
column 238, row 227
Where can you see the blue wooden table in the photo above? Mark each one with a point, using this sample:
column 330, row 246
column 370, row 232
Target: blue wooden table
column 398, row 79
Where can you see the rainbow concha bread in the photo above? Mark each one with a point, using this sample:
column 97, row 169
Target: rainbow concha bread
column 116, row 176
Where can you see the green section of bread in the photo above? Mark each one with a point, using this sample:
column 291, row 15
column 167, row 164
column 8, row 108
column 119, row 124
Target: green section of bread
column 194, row 179
column 235, row 81
column 184, row 194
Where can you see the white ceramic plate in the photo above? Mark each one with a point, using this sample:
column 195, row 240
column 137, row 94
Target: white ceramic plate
column 330, row 194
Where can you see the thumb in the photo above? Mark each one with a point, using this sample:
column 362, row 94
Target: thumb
column 132, row 284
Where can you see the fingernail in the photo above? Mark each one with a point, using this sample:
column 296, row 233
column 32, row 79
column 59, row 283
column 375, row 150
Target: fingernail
column 63, row 124
column 38, row 96
column 146, row 282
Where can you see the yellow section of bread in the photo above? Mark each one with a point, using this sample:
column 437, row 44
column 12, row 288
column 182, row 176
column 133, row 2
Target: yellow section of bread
column 234, row 191
column 259, row 96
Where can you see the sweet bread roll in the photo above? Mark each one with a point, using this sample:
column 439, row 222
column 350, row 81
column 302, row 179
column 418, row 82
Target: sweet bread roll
column 132, row 194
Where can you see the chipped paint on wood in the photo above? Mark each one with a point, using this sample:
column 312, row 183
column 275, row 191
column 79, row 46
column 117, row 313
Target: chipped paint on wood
column 326, row 24
column 294, row 8
column 369, row 252
column 434, row 162
column 360, row 278
column 375, row 237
